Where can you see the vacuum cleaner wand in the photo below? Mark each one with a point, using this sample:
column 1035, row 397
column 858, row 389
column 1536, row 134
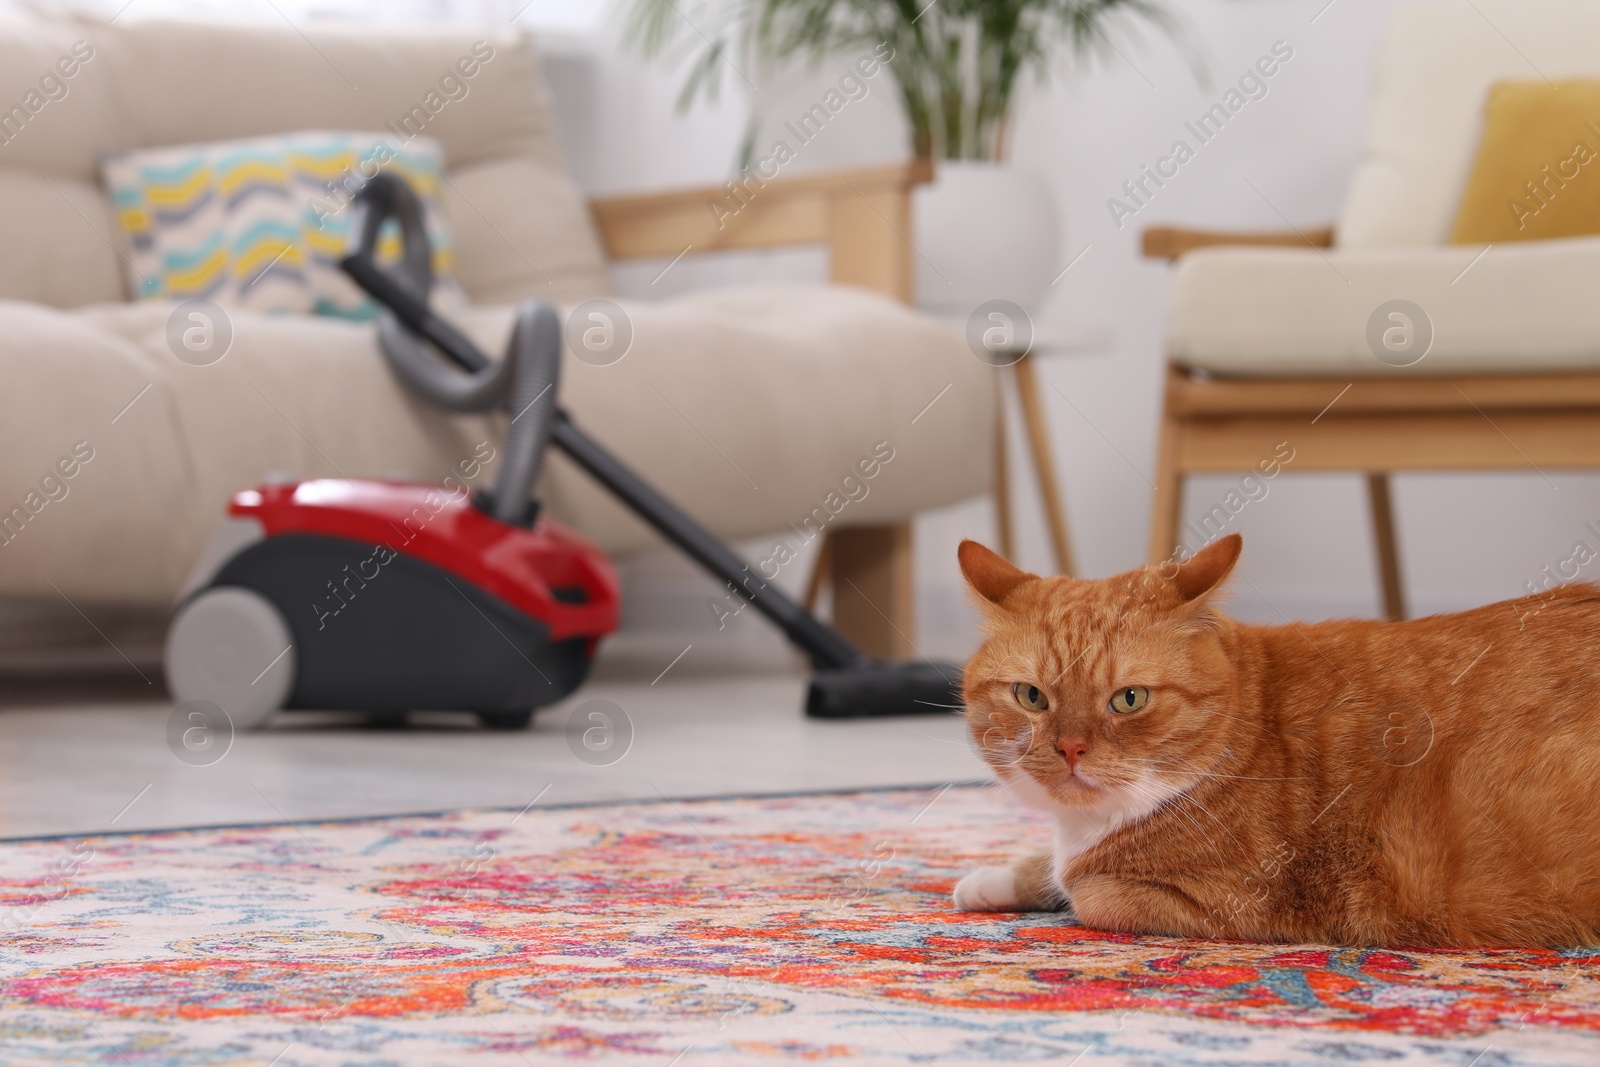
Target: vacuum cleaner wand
column 847, row 682
column 825, row 645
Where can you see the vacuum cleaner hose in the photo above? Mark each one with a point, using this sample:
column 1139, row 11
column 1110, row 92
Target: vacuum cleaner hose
column 535, row 358
column 525, row 381
column 437, row 383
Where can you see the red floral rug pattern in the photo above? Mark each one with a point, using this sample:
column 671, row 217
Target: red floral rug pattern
column 740, row 931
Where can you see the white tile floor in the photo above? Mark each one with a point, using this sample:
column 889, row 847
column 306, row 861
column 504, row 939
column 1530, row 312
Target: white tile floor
column 79, row 763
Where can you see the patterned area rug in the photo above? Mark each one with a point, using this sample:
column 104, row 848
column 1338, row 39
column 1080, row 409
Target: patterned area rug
column 811, row 928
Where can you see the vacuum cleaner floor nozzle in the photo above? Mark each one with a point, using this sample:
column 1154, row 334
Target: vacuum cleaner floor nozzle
column 874, row 688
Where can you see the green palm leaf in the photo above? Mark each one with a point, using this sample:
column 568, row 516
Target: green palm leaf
column 957, row 63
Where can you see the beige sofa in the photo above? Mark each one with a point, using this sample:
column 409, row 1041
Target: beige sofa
column 744, row 404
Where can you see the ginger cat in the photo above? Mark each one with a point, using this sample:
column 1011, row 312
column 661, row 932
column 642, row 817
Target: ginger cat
column 1425, row 783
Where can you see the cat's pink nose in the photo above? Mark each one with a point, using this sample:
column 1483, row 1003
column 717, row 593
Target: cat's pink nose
column 1072, row 749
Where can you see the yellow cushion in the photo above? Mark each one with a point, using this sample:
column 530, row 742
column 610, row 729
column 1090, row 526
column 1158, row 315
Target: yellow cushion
column 1537, row 175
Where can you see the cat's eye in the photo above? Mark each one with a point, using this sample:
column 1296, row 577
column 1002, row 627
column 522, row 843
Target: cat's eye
column 1029, row 696
column 1129, row 700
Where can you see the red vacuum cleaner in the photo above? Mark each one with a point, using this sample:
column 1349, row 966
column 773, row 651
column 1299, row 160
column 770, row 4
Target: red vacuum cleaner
column 388, row 598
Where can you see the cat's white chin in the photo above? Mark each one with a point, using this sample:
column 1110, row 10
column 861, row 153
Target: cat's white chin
column 987, row 889
column 1067, row 792
column 1077, row 787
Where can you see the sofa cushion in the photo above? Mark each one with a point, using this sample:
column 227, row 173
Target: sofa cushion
column 59, row 240
column 65, row 120
column 171, row 74
column 512, row 248
column 96, row 492
column 1521, row 307
column 1434, row 69
column 56, row 226
column 294, row 395
column 262, row 223
column 1533, row 178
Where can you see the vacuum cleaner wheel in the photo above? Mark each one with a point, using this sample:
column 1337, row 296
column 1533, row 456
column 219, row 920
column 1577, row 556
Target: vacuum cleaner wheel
column 231, row 646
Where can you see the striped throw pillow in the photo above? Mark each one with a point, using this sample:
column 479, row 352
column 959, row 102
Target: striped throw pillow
column 262, row 223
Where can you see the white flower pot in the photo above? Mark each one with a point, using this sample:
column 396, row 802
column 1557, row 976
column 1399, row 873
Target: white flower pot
column 984, row 231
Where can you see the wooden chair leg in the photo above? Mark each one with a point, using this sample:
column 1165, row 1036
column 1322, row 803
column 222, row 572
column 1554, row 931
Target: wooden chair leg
column 872, row 588
column 1394, row 603
column 820, row 571
column 1043, row 466
column 1165, row 512
column 1002, row 477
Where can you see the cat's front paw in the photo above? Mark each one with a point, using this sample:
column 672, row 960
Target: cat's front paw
column 988, row 889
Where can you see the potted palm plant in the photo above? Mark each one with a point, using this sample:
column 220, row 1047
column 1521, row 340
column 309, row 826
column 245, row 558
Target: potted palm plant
column 984, row 228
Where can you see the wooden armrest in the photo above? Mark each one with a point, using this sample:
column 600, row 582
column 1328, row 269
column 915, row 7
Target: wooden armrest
column 863, row 216
column 1170, row 242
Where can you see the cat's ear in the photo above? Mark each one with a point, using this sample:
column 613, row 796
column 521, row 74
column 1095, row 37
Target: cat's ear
column 1208, row 568
column 988, row 573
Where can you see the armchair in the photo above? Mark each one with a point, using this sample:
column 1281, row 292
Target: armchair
column 1282, row 340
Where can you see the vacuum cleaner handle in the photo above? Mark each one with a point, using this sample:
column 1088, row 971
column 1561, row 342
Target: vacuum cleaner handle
column 385, row 197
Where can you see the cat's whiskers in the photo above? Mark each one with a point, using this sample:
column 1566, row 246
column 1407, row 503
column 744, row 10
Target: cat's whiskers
column 1189, row 797
column 1169, row 801
column 1190, row 770
column 1022, row 745
column 1014, row 765
column 1014, row 665
column 941, row 740
column 1173, row 804
column 1164, row 803
column 1235, row 718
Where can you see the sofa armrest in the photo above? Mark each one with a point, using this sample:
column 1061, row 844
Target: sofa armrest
column 862, row 216
column 1170, row 242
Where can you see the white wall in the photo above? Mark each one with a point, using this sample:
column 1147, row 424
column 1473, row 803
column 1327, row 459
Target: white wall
column 1465, row 539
